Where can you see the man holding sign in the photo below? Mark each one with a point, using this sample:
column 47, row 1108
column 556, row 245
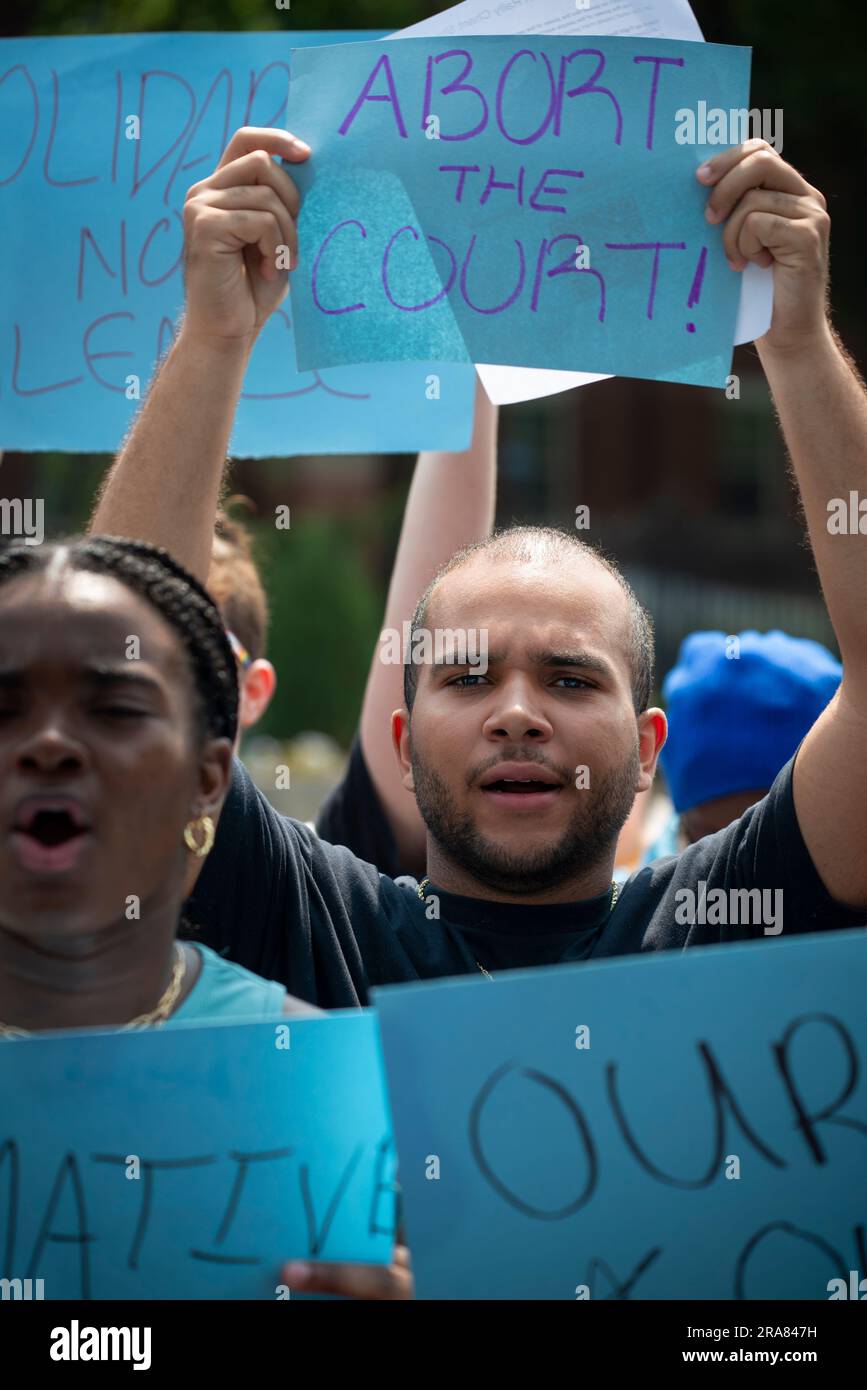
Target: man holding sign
column 525, row 771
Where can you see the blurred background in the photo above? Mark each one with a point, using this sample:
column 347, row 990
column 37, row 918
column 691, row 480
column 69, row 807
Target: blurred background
column 688, row 490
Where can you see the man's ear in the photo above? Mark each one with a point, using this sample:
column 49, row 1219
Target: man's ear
column 652, row 733
column 401, row 742
column 257, row 691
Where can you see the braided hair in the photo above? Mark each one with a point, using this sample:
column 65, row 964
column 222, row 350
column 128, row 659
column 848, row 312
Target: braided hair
column 172, row 591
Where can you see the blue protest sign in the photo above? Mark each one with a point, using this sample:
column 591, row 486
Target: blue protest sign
column 192, row 1162
column 526, row 200
column 673, row 1126
column 101, row 138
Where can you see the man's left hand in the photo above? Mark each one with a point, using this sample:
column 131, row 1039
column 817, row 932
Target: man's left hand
column 773, row 217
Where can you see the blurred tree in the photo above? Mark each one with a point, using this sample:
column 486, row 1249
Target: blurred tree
column 68, row 483
column 325, row 616
column 164, row 16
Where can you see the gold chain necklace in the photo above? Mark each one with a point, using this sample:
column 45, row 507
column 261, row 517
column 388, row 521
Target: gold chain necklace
column 157, row 1015
column 615, row 894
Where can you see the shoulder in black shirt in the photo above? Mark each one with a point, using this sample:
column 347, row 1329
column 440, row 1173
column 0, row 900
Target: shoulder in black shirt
column 353, row 815
column 283, row 903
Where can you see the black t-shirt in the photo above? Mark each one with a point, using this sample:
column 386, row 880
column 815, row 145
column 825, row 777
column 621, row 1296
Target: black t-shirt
column 353, row 816
column 287, row 905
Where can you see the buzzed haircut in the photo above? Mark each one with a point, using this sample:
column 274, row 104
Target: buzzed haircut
column 522, row 544
column 235, row 585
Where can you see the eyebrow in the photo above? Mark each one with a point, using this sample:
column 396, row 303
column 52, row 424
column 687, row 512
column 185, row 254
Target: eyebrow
column 100, row 676
column 584, row 660
column 543, row 657
column 120, row 675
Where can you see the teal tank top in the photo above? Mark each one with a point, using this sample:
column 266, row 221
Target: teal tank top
column 225, row 990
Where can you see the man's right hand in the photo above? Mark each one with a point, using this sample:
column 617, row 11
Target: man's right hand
column 235, row 221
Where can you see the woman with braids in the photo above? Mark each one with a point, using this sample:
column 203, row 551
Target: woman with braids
column 118, row 711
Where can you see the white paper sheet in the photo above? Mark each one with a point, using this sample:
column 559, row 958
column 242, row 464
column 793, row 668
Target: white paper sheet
column 661, row 19
column 658, row 19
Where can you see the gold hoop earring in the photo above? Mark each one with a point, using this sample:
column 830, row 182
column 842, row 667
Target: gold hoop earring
column 208, row 833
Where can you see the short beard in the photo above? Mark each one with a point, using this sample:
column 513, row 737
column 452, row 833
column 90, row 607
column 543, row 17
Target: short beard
column 599, row 818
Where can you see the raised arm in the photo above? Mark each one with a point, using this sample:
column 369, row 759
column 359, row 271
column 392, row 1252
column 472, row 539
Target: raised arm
column 450, row 503
column 165, row 484
column 776, row 218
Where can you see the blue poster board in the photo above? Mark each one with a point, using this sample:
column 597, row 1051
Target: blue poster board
column 678, row 1126
column 91, row 234
column 524, row 200
column 192, row 1162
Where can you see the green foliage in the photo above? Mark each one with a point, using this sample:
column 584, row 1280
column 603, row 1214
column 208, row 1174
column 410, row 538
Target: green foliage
column 325, row 616
column 68, row 483
column 165, row 16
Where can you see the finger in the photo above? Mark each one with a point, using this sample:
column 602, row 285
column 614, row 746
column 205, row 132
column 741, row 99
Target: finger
column 761, row 200
column 368, row 1282
column 260, row 198
column 254, row 168
column 721, row 164
column 714, row 170
column 767, row 231
column 236, row 230
column 269, row 138
column 761, row 169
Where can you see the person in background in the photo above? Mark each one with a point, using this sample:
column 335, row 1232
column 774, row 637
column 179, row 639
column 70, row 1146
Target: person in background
column 236, row 587
column 738, row 706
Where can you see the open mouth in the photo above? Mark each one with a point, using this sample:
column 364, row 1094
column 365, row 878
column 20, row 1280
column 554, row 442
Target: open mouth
column 52, row 828
column 528, row 786
column 521, row 784
column 48, row 836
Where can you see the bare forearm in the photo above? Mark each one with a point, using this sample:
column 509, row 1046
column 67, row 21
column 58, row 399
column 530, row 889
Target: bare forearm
column 824, row 418
column 164, row 486
column 822, row 407
column 450, row 503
